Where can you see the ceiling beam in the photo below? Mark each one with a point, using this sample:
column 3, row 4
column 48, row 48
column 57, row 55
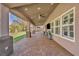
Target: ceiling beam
column 15, row 5
column 21, row 15
column 18, row 14
column 14, row 10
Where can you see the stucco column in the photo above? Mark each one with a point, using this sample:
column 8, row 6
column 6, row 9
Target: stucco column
column 4, row 21
column 6, row 41
column 28, row 30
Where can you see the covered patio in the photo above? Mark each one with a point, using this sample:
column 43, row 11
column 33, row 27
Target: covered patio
column 52, row 29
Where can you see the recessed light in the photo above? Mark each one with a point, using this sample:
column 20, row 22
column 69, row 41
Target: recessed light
column 26, row 9
column 38, row 8
column 51, row 3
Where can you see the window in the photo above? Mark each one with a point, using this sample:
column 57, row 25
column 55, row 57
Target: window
column 57, row 26
column 52, row 27
column 67, row 24
column 65, row 20
column 65, row 31
column 63, row 26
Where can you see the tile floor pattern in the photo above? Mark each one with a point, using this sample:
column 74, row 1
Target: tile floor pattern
column 38, row 45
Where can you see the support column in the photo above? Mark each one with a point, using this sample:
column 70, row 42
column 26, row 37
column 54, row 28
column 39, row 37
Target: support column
column 28, row 30
column 0, row 20
column 4, row 21
column 6, row 42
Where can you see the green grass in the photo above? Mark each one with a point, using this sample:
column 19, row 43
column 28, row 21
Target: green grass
column 18, row 36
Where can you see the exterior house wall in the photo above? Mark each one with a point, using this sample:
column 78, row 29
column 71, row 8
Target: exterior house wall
column 72, row 47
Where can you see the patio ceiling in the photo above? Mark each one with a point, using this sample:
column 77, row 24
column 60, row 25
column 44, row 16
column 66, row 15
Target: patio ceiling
column 36, row 13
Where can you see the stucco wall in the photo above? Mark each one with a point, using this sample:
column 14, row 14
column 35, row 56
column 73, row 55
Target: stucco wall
column 6, row 42
column 72, row 47
column 0, row 19
column 4, row 20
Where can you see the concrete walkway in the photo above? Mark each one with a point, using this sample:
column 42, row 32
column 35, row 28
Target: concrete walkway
column 38, row 45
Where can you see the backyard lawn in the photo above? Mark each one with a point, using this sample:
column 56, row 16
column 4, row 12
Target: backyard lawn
column 18, row 36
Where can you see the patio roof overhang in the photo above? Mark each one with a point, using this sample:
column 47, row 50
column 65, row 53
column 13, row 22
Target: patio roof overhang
column 36, row 13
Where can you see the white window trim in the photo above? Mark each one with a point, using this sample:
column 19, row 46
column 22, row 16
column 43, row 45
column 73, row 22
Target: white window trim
column 51, row 26
column 69, row 39
column 55, row 24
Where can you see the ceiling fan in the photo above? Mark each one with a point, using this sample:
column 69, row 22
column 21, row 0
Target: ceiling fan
column 42, row 15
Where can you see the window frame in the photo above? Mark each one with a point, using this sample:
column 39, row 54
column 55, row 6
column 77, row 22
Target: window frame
column 72, row 10
column 57, row 26
column 52, row 27
column 64, row 37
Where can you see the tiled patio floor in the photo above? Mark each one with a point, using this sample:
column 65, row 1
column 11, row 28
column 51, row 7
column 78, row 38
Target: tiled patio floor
column 38, row 45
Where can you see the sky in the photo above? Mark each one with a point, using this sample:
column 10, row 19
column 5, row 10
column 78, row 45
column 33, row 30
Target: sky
column 11, row 18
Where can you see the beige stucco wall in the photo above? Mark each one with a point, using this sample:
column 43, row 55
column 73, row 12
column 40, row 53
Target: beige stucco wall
column 72, row 47
column 0, row 19
column 4, row 20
